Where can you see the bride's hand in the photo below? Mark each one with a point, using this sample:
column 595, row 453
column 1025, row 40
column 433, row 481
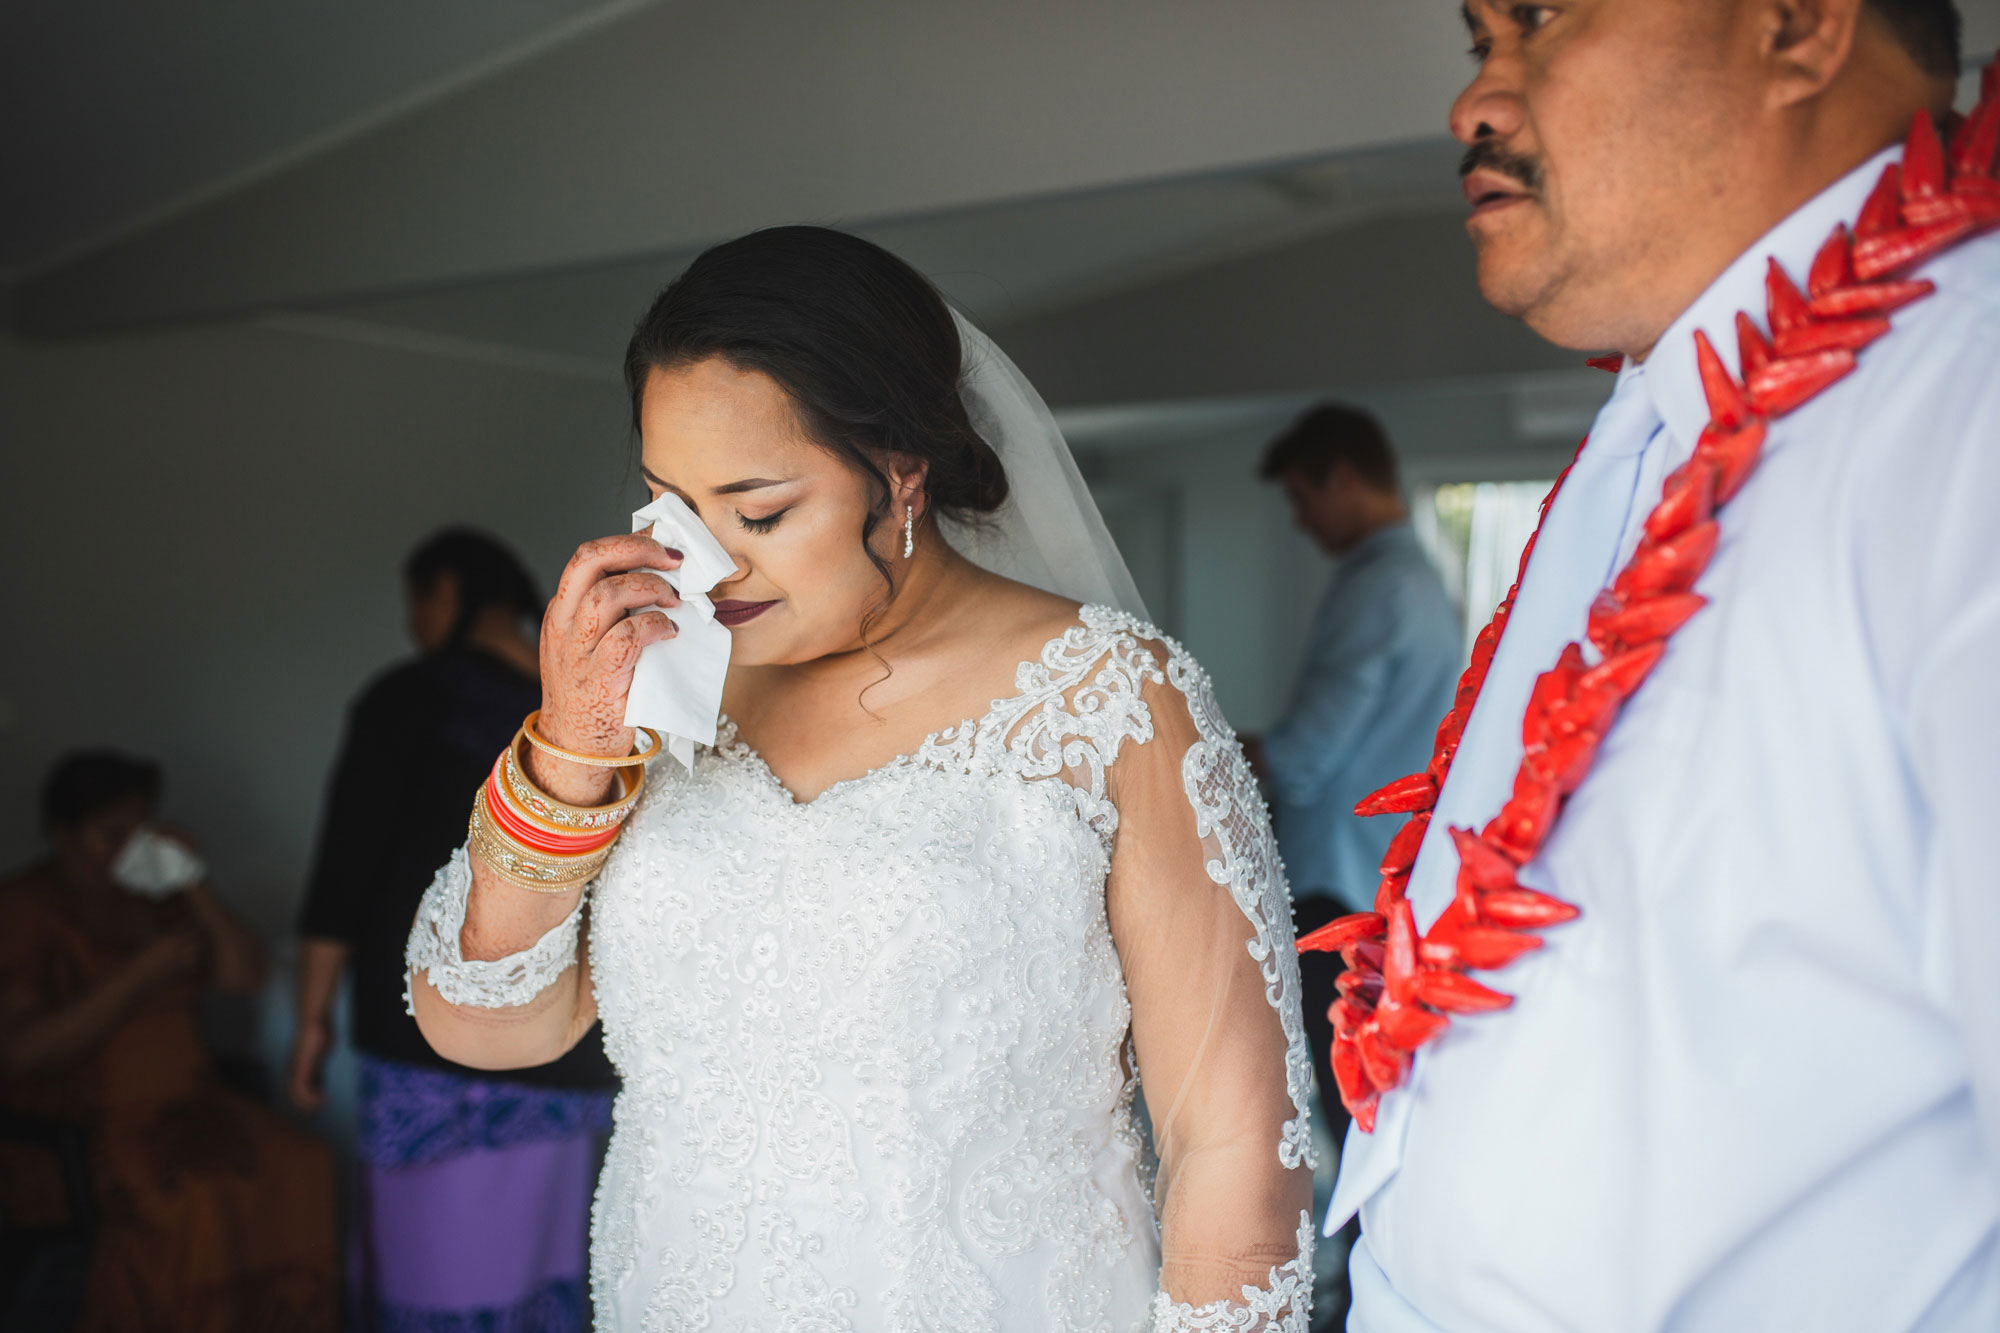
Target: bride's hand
column 605, row 610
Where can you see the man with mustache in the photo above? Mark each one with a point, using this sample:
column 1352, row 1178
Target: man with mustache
column 1741, row 724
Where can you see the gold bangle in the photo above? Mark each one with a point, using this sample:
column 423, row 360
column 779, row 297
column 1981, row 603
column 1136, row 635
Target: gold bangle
column 520, row 791
column 537, row 872
column 534, row 871
column 635, row 759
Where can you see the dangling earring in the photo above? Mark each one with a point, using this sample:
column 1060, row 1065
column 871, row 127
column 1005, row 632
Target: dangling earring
column 909, row 531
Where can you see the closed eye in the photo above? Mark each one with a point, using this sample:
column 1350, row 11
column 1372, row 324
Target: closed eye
column 764, row 524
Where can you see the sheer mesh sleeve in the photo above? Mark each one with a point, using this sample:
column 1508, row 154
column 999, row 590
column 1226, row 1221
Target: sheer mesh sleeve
column 1202, row 920
column 498, row 983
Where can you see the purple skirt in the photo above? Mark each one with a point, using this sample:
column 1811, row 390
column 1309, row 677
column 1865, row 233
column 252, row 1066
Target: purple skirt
column 472, row 1208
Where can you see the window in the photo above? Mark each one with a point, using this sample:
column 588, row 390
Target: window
column 1475, row 532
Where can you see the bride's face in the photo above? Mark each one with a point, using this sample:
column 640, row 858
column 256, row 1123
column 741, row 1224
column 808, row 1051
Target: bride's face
column 789, row 512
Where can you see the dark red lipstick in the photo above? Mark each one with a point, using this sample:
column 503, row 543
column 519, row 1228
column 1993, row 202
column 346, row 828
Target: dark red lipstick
column 732, row 613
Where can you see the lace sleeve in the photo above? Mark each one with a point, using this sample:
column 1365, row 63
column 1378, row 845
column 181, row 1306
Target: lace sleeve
column 1202, row 918
column 498, row 983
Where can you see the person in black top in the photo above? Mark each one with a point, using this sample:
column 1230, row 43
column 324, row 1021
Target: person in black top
column 419, row 742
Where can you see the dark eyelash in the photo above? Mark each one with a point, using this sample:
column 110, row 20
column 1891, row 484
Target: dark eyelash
column 764, row 524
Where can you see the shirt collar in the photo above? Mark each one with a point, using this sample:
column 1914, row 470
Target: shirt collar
column 1388, row 535
column 1670, row 373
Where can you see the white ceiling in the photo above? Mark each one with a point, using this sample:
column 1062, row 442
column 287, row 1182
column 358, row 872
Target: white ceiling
column 512, row 179
column 116, row 114
column 1000, row 263
column 656, row 128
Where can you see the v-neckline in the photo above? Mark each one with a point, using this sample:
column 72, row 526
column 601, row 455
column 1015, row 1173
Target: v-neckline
column 909, row 758
column 957, row 733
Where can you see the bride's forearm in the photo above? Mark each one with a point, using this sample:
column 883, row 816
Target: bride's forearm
column 515, row 1037
column 1234, row 1221
column 498, row 974
column 503, row 918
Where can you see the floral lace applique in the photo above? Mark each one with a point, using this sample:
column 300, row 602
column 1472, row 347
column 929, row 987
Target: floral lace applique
column 1282, row 1305
column 1230, row 813
column 499, row 983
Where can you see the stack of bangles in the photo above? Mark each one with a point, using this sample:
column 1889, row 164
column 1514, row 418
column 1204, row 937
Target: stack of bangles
column 529, row 838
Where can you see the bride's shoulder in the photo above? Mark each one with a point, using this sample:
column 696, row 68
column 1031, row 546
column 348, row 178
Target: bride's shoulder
column 1102, row 647
column 1017, row 617
column 1169, row 684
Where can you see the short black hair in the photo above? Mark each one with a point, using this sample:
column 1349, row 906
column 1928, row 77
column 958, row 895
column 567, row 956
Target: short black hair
column 1928, row 29
column 88, row 782
column 1329, row 435
column 488, row 575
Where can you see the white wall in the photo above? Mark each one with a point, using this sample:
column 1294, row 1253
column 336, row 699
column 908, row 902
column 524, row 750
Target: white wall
column 201, row 538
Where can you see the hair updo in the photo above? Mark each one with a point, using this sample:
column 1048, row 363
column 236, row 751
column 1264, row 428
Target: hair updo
column 862, row 343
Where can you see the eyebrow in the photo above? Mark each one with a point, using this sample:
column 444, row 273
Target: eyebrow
column 733, row 488
column 1471, row 23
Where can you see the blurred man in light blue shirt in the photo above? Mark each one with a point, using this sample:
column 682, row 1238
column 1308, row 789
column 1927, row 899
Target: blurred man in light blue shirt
column 1382, row 660
column 1381, row 663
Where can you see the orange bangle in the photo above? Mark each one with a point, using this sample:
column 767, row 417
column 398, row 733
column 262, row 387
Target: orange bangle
column 547, row 841
column 636, row 759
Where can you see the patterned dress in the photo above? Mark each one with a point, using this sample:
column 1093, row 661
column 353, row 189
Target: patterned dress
column 212, row 1215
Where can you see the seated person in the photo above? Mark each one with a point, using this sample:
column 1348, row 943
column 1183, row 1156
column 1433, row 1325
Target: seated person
column 211, row 1214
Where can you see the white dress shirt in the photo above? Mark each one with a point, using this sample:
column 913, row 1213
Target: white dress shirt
column 1757, row 1084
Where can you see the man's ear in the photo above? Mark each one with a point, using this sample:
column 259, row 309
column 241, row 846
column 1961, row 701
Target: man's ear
column 444, row 585
column 1340, row 477
column 1806, row 44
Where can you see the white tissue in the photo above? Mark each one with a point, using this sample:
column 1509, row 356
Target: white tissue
column 153, row 865
column 677, row 686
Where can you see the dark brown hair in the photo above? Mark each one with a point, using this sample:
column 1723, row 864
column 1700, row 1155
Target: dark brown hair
column 84, row 783
column 488, row 574
column 862, row 343
column 1327, row 436
column 1928, row 29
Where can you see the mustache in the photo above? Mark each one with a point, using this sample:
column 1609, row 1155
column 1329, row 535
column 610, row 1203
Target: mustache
column 1491, row 156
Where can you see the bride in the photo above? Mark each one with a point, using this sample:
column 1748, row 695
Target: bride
column 886, row 987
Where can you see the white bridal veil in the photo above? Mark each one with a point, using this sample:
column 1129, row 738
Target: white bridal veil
column 1050, row 533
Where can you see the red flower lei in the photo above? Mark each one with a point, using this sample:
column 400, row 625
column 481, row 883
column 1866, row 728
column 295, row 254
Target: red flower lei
column 1401, row 986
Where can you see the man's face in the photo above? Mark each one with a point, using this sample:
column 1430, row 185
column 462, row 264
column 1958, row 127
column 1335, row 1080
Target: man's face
column 85, row 851
column 432, row 611
column 1597, row 133
column 1332, row 511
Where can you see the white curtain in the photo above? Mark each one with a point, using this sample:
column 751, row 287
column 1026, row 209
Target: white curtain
column 1475, row 532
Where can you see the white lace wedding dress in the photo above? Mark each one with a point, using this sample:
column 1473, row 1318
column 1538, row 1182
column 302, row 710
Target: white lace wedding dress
column 877, row 1047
